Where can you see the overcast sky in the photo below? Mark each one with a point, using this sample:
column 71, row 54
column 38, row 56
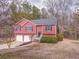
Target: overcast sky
column 38, row 3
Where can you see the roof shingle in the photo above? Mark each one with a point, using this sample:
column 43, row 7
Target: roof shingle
column 45, row 21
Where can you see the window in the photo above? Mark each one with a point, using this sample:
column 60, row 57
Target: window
column 29, row 28
column 18, row 28
column 49, row 28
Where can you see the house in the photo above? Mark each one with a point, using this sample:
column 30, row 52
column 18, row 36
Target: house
column 25, row 30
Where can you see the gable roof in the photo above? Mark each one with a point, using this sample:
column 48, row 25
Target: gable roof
column 49, row 21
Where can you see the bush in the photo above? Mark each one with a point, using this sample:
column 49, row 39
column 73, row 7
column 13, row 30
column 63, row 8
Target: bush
column 49, row 40
column 60, row 37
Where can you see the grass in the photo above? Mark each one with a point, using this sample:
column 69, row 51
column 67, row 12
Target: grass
column 16, row 56
column 47, row 51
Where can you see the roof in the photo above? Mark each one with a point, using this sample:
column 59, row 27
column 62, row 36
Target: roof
column 49, row 21
column 45, row 21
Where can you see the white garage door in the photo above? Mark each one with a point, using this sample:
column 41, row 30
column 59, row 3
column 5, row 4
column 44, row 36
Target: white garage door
column 19, row 38
column 27, row 38
column 23, row 38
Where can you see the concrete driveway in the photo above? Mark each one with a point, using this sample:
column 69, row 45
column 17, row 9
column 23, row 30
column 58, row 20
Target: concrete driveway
column 13, row 45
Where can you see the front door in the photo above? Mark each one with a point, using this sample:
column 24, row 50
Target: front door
column 39, row 30
column 38, row 34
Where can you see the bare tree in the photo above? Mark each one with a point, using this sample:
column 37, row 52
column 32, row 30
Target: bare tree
column 44, row 13
column 6, row 29
column 9, row 34
column 59, row 9
column 76, row 24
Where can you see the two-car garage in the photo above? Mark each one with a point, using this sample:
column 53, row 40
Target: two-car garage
column 23, row 38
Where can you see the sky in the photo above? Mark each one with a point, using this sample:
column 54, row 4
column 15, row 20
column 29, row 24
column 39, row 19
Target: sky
column 38, row 3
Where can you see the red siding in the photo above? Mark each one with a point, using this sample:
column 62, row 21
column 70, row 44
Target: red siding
column 51, row 32
column 23, row 31
column 29, row 24
column 43, row 30
column 36, row 29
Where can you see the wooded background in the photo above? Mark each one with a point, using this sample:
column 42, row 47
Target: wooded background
column 65, row 11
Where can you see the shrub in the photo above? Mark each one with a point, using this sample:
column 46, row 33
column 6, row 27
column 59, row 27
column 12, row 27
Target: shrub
column 49, row 40
column 60, row 37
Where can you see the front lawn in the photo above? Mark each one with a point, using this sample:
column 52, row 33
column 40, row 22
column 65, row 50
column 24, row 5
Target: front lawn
column 15, row 56
column 62, row 50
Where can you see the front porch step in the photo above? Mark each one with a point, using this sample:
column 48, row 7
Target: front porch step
column 36, row 38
